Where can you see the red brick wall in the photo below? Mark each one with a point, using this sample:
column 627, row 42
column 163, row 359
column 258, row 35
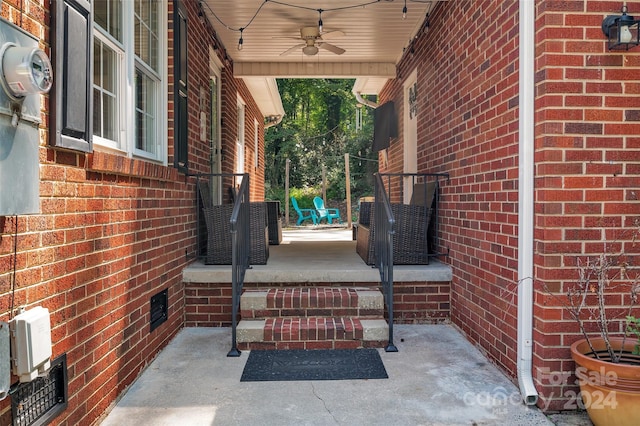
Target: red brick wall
column 209, row 304
column 112, row 232
column 587, row 174
column 467, row 126
column 587, row 151
column 231, row 89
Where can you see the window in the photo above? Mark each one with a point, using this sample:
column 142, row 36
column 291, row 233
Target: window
column 128, row 77
column 180, row 88
column 255, row 143
column 240, row 140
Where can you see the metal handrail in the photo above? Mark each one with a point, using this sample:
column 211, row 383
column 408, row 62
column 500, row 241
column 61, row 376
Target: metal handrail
column 384, row 223
column 239, row 230
column 399, row 190
column 240, row 244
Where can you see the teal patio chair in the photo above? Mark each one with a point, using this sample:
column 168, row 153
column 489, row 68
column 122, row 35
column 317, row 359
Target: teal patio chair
column 304, row 214
column 325, row 213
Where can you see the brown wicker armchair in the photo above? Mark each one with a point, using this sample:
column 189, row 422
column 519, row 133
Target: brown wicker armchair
column 218, row 222
column 410, row 243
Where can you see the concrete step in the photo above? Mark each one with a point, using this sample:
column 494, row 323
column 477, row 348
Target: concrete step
column 312, row 333
column 311, row 302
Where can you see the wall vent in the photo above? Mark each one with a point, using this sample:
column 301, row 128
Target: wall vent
column 158, row 311
column 38, row 402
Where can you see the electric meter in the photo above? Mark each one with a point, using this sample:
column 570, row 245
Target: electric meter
column 25, row 70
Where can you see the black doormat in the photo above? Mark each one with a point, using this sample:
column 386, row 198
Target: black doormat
column 329, row 364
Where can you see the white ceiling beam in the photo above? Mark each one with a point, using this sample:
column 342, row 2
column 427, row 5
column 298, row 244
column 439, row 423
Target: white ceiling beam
column 314, row 69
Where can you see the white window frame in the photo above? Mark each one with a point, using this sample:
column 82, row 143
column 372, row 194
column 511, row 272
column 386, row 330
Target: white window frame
column 256, row 129
column 240, row 141
column 126, row 144
column 117, row 48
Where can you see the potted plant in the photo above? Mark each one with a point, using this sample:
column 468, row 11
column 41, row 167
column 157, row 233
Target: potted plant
column 606, row 357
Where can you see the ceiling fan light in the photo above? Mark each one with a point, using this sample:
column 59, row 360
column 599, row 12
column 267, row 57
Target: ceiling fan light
column 310, row 50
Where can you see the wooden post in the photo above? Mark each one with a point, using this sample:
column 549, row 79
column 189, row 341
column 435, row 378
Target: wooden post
column 286, row 193
column 324, row 184
column 348, row 188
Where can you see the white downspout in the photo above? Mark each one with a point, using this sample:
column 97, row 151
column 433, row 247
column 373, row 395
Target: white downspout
column 525, row 202
column 364, row 101
column 273, row 120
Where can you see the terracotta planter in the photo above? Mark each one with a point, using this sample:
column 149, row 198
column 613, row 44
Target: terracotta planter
column 610, row 392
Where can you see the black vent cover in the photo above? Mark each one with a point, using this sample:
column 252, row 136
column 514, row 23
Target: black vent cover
column 38, row 402
column 158, row 311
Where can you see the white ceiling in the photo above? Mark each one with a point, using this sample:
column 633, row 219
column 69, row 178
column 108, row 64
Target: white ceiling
column 375, row 35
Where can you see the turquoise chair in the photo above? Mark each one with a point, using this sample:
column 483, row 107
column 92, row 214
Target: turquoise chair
column 304, row 214
column 325, row 213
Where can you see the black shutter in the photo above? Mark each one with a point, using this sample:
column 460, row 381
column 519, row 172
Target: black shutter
column 180, row 143
column 72, row 52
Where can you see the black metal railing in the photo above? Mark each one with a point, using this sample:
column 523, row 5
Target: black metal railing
column 419, row 189
column 240, row 245
column 384, row 225
column 223, row 231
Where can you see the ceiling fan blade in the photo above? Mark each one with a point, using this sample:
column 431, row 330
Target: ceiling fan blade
column 331, row 48
column 332, row 34
column 292, row 49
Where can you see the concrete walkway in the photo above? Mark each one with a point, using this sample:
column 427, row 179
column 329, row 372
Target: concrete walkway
column 436, row 378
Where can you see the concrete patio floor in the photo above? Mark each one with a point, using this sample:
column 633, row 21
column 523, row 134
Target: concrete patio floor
column 436, row 378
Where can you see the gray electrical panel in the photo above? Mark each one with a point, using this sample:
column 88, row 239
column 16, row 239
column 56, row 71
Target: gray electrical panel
column 19, row 135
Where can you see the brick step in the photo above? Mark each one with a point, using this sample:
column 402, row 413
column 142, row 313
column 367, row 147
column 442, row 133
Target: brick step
column 312, row 333
column 311, row 302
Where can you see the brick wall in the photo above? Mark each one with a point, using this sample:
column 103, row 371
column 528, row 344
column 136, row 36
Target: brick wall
column 587, row 150
column 209, row 304
column 112, row 232
column 467, row 115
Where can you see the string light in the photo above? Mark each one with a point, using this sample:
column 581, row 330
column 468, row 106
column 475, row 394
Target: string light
column 320, row 21
column 280, row 3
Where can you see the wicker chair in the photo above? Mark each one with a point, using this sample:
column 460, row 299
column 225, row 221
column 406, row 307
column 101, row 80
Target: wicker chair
column 218, row 224
column 218, row 219
column 410, row 243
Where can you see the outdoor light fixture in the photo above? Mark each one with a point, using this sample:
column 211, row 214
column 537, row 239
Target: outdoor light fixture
column 622, row 31
column 310, row 50
column 320, row 20
column 404, row 10
column 241, row 41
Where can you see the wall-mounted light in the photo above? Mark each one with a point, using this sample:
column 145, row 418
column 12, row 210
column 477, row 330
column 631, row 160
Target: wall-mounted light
column 320, row 20
column 622, row 31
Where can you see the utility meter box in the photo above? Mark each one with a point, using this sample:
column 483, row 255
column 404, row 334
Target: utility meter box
column 25, row 73
column 31, row 343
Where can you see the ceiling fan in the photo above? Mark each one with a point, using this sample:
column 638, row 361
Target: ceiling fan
column 313, row 40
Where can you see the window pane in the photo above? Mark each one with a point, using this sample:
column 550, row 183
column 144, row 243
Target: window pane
column 146, row 32
column 145, row 113
column 108, row 14
column 105, row 84
column 97, row 113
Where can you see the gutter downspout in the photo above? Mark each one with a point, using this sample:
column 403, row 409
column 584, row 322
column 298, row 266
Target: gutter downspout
column 364, row 101
column 526, row 202
column 273, row 120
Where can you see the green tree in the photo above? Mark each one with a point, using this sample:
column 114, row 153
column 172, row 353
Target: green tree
column 318, row 129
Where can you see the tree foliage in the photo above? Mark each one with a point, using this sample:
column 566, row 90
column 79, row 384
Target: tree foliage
column 318, row 129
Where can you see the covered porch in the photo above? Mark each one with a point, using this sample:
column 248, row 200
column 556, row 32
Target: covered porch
column 316, row 254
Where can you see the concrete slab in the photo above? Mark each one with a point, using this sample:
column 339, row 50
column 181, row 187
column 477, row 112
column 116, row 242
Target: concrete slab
column 436, row 378
column 316, row 255
column 250, row 330
column 375, row 330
